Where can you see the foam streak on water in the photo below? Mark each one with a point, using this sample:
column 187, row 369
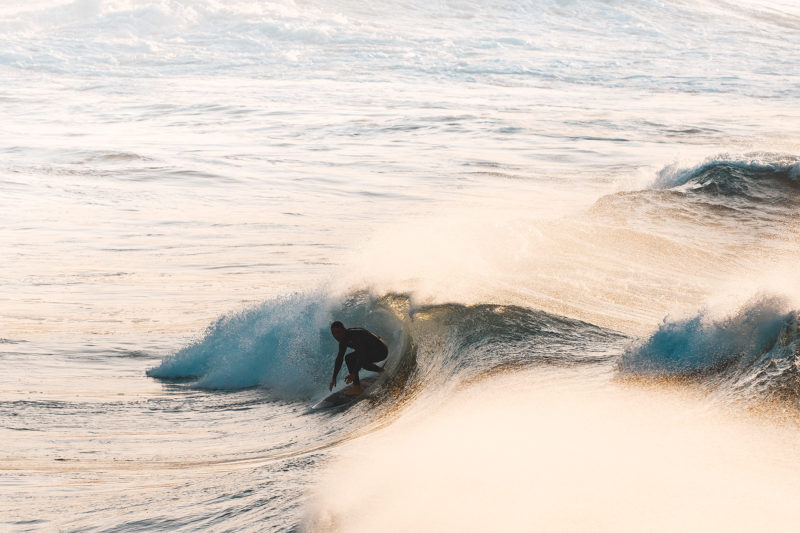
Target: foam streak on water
column 596, row 194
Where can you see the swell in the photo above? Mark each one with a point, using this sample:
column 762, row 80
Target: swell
column 458, row 343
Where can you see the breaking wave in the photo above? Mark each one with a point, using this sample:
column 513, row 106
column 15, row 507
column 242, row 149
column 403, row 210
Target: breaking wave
column 753, row 353
column 285, row 346
column 759, row 178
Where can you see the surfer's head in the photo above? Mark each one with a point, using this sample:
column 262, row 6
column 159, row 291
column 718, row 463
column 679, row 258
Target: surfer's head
column 338, row 331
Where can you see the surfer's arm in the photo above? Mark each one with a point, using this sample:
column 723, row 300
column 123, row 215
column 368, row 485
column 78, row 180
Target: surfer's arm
column 338, row 364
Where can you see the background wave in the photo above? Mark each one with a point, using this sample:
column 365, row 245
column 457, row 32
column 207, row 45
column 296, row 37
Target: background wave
column 758, row 178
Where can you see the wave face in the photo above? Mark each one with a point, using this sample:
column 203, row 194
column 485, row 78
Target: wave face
column 753, row 353
column 468, row 341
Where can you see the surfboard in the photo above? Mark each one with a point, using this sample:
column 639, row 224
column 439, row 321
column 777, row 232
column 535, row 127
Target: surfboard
column 335, row 399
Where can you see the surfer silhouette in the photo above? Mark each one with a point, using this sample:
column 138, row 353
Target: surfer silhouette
column 368, row 349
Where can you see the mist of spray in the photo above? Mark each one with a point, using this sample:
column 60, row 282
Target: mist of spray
column 542, row 454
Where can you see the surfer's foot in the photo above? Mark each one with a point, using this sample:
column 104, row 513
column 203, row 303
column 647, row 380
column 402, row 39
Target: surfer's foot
column 353, row 390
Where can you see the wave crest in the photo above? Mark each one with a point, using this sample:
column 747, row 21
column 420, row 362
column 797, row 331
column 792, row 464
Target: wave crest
column 753, row 353
column 757, row 178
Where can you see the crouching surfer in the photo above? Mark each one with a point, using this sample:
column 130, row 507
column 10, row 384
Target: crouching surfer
column 368, row 349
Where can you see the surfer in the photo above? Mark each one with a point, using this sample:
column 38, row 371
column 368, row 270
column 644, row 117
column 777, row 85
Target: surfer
column 368, row 349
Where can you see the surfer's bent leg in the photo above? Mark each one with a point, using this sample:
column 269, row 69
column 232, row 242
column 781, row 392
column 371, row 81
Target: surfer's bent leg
column 368, row 362
column 353, row 362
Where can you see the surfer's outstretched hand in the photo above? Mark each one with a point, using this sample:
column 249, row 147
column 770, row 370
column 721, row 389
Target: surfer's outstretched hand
column 349, row 378
column 333, row 384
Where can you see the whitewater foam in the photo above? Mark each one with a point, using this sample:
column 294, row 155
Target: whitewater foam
column 284, row 345
column 702, row 343
column 750, row 356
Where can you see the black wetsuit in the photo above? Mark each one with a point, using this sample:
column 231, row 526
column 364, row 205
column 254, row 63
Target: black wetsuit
column 368, row 350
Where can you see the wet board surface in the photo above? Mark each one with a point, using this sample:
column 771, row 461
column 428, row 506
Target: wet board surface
column 335, row 399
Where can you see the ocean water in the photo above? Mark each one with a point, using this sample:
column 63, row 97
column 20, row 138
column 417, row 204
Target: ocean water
column 575, row 223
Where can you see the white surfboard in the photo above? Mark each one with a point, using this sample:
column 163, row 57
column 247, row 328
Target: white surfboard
column 335, row 399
